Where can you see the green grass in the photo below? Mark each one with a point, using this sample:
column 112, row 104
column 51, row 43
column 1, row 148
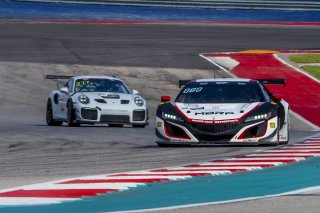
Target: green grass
column 305, row 58
column 313, row 70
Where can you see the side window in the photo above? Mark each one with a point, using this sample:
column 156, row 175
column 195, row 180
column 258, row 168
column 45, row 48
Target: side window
column 264, row 92
column 70, row 85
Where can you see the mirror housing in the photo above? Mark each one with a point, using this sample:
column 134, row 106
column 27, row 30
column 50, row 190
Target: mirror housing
column 277, row 98
column 165, row 98
column 64, row 90
column 135, row 92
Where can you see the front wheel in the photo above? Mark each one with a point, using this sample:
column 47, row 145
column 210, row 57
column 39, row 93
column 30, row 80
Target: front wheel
column 49, row 115
column 71, row 116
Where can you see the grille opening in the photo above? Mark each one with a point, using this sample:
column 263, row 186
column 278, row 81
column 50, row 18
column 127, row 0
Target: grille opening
column 118, row 119
column 255, row 131
column 125, row 101
column 139, row 115
column 89, row 114
column 175, row 131
column 211, row 138
column 214, row 128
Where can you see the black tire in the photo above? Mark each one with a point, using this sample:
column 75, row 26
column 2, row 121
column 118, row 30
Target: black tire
column 115, row 125
column 138, row 126
column 71, row 117
column 49, row 116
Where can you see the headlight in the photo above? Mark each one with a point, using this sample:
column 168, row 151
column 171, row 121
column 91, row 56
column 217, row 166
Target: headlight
column 84, row 99
column 172, row 117
column 138, row 101
column 259, row 117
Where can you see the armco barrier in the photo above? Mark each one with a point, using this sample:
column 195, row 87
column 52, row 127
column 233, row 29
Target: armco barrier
column 289, row 5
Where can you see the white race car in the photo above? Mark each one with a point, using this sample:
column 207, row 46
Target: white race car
column 95, row 99
column 238, row 111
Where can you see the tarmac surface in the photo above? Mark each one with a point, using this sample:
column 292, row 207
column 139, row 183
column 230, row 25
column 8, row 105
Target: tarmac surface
column 150, row 58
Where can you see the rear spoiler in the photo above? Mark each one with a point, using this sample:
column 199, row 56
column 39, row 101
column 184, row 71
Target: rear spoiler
column 57, row 77
column 272, row 81
column 183, row 82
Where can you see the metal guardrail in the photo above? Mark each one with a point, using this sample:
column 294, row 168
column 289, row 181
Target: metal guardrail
column 297, row 5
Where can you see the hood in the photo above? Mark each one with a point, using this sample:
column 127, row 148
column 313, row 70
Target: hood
column 107, row 95
column 216, row 112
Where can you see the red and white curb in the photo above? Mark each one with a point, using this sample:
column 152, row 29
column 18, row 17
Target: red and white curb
column 257, row 64
column 78, row 188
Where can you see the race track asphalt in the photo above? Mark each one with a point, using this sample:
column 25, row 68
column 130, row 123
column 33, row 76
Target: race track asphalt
column 150, row 58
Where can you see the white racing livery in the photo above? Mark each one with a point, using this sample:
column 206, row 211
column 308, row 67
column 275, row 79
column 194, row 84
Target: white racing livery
column 238, row 111
column 95, row 99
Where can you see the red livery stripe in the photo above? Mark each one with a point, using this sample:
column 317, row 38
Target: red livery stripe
column 249, row 160
column 116, row 181
column 234, row 165
column 164, row 174
column 56, row 193
column 200, row 170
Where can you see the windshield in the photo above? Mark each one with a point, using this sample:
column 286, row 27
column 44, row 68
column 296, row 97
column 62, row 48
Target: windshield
column 100, row 85
column 220, row 92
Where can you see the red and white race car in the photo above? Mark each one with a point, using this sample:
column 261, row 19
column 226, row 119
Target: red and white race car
column 235, row 111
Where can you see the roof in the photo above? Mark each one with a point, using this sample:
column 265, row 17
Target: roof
column 96, row 77
column 224, row 80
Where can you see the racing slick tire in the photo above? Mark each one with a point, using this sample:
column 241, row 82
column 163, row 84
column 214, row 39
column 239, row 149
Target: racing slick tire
column 115, row 125
column 138, row 126
column 71, row 116
column 49, row 115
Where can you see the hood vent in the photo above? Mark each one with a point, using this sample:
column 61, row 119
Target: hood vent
column 111, row 96
column 101, row 101
column 125, row 101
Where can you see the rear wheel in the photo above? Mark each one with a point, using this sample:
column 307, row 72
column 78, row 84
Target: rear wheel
column 71, row 116
column 49, row 115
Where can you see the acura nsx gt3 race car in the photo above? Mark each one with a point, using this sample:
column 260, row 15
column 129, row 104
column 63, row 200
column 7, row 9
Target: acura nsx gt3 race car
column 234, row 111
column 95, row 99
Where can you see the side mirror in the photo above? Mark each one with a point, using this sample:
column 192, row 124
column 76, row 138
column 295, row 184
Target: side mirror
column 165, row 98
column 64, row 90
column 135, row 92
column 277, row 98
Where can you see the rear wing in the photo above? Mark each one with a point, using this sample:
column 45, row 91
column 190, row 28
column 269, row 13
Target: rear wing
column 272, row 81
column 183, row 82
column 57, row 77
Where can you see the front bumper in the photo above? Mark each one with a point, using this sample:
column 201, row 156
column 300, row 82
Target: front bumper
column 230, row 133
column 112, row 116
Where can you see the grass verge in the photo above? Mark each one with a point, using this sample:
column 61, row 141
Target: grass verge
column 313, row 70
column 305, row 58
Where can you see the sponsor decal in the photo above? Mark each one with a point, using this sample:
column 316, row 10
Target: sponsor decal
column 214, row 122
column 159, row 124
column 272, row 125
column 214, row 113
column 249, row 140
column 178, row 140
column 197, row 108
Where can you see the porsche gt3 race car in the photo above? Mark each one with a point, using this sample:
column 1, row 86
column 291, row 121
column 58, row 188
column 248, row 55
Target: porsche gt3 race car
column 95, row 99
column 234, row 111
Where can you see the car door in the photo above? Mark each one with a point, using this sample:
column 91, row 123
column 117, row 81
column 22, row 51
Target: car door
column 64, row 97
